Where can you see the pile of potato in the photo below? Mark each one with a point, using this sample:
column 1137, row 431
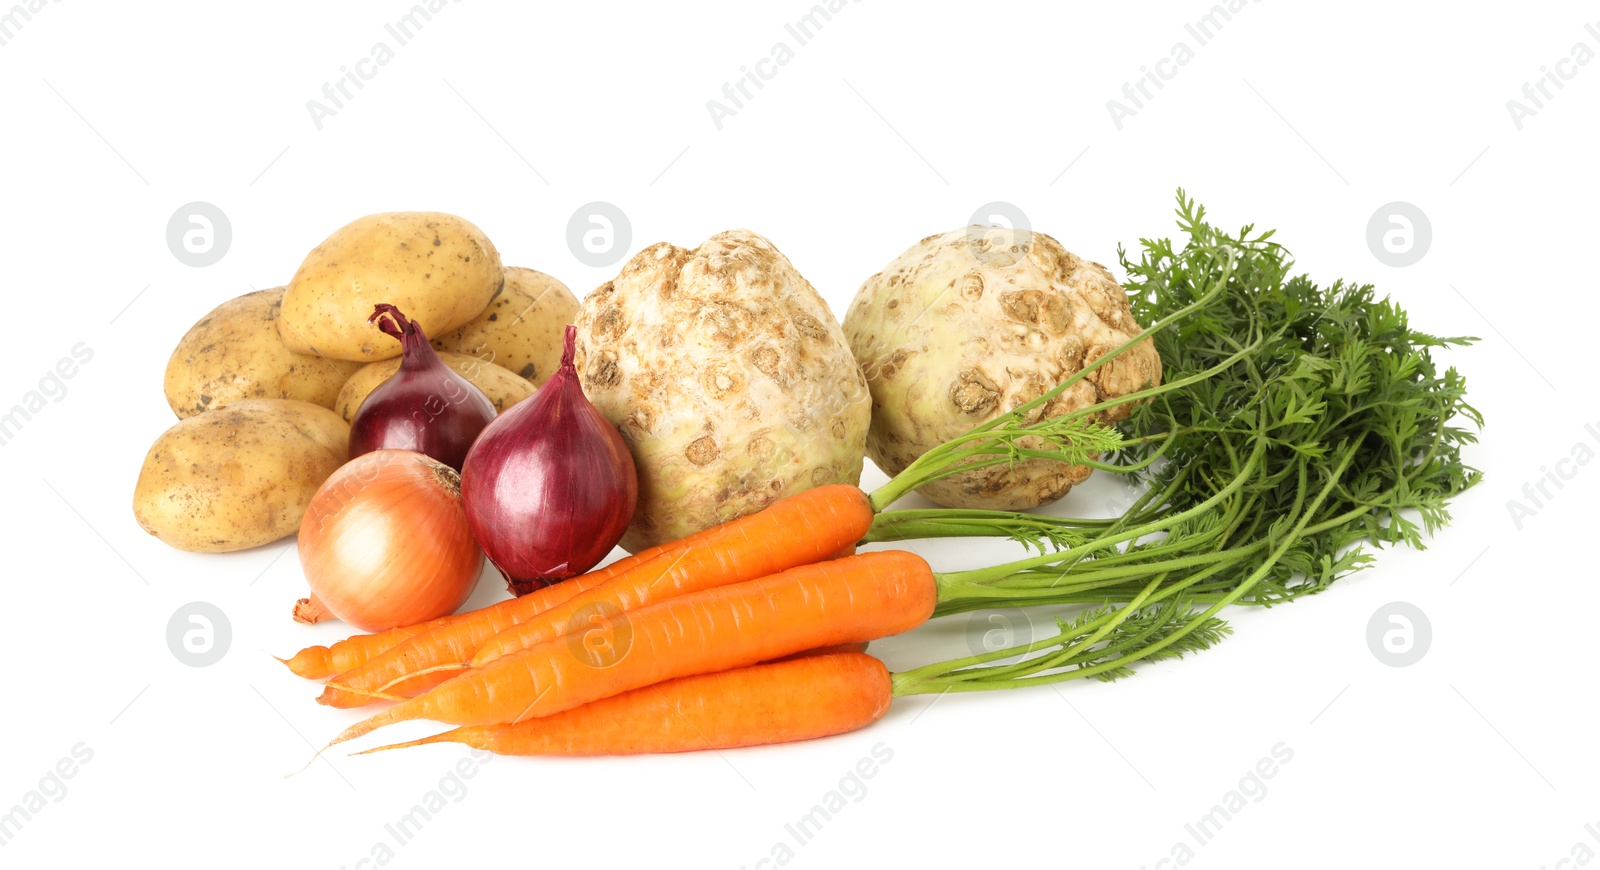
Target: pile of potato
column 265, row 385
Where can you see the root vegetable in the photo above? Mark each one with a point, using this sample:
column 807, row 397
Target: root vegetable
column 847, row 600
column 521, row 329
column 235, row 352
column 438, row 652
column 320, row 662
column 438, row 268
column 962, row 328
column 801, row 698
column 238, row 476
column 756, row 546
column 752, row 547
column 729, row 379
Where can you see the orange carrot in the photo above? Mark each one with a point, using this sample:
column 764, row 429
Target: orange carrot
column 849, row 600
column 830, row 649
column 793, row 699
column 794, row 531
column 393, row 673
column 320, row 662
column 695, row 569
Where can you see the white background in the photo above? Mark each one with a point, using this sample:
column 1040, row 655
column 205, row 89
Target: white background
column 894, row 122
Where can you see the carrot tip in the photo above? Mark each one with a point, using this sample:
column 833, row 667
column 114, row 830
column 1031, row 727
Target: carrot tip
column 364, row 727
column 310, row 761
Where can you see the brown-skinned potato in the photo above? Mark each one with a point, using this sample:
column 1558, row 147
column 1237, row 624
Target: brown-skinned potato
column 521, row 329
column 437, row 268
column 235, row 352
column 238, row 476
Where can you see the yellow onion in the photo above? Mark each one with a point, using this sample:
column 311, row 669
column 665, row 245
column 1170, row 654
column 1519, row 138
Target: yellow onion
column 385, row 543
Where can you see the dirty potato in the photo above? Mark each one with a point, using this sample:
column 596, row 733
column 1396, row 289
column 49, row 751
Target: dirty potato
column 503, row 388
column 235, row 353
column 968, row 325
column 522, row 328
column 238, row 476
column 437, row 268
column 729, row 379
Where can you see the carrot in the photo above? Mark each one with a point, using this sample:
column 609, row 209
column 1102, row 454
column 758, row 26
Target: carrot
column 578, row 612
column 695, row 569
column 848, row 600
column 798, row 530
column 320, row 662
column 794, row 699
column 393, row 673
column 830, row 649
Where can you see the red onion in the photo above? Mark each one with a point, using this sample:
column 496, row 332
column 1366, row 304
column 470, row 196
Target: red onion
column 549, row 487
column 423, row 406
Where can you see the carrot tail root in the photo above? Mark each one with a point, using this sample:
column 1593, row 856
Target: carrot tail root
column 441, row 737
column 450, row 666
column 330, row 690
column 361, row 729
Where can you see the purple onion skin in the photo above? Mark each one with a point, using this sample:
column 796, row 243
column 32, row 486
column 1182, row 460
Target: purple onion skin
column 424, row 406
column 549, row 487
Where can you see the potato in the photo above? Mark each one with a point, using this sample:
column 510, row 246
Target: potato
column 729, row 379
column 503, row 388
column 522, row 328
column 235, row 353
column 964, row 327
column 437, row 268
column 238, row 476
